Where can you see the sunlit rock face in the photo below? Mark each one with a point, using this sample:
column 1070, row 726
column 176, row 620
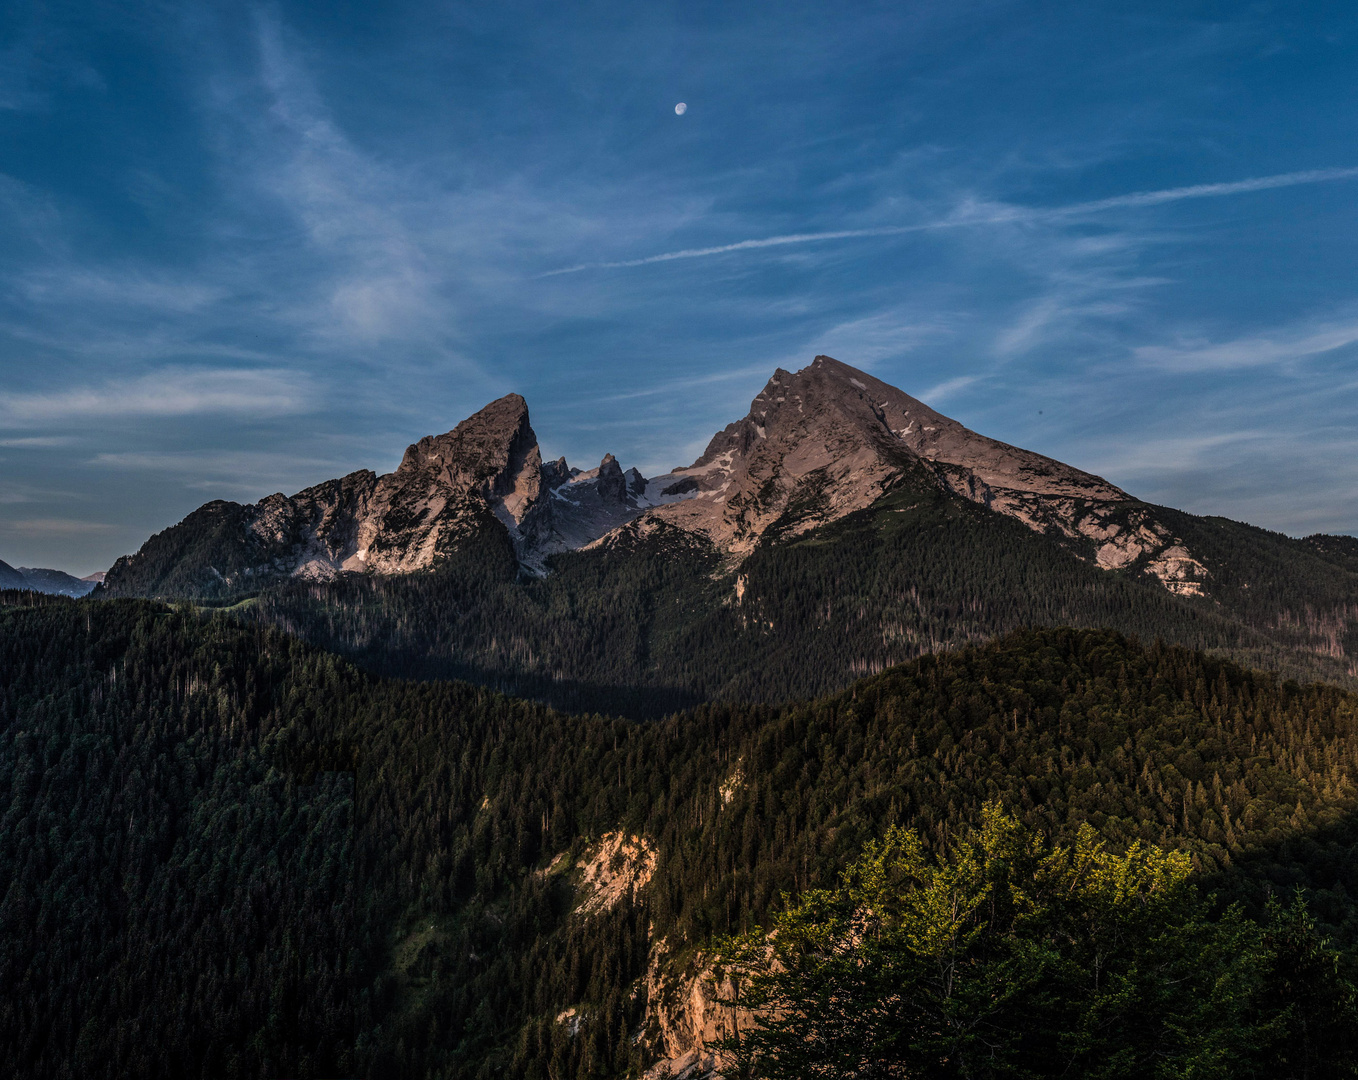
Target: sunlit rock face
column 815, row 446
column 446, row 489
column 485, row 474
column 830, row 439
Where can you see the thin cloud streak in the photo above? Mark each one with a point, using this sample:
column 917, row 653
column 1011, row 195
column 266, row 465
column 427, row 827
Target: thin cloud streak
column 1018, row 214
column 170, row 392
column 55, row 527
column 41, row 442
column 948, row 388
column 239, row 464
column 746, row 245
column 1209, row 191
column 1251, row 352
column 688, row 384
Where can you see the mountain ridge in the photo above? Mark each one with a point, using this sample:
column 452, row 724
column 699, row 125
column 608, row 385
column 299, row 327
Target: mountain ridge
column 775, row 473
column 841, row 526
column 44, row 580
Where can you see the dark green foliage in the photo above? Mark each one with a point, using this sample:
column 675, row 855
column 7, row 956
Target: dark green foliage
column 1303, row 593
column 208, row 555
column 146, row 854
column 1006, row 956
column 224, row 851
column 1342, row 551
column 602, row 633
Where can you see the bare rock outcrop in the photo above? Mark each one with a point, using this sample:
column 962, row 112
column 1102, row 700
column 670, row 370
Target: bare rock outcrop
column 688, row 1012
column 614, row 869
column 578, row 507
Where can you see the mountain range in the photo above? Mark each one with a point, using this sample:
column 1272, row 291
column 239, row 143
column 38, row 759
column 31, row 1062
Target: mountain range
column 55, row 582
column 816, row 445
column 839, row 527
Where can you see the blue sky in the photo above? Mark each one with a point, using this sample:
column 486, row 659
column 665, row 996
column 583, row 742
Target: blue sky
column 245, row 249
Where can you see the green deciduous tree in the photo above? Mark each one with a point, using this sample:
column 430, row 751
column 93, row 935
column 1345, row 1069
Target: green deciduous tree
column 1008, row 956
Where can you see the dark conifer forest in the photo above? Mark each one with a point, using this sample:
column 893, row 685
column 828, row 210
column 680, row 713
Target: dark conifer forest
column 227, row 852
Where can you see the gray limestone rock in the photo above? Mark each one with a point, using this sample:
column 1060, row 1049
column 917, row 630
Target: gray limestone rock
column 555, row 473
column 611, row 483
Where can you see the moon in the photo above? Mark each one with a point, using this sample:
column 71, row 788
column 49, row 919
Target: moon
column 680, row 109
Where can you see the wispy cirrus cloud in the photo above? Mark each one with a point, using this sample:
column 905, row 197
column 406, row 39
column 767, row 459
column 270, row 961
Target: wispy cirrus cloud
column 1211, row 191
column 679, row 386
column 37, row 442
column 940, row 392
column 381, row 282
column 245, row 474
column 165, row 393
column 1255, row 351
column 118, row 287
column 978, row 214
column 48, row 527
column 869, row 340
column 1174, row 455
column 750, row 245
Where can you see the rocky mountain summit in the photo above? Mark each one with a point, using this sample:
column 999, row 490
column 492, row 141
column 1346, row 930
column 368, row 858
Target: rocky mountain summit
column 830, row 439
column 816, row 446
column 446, row 489
column 486, row 474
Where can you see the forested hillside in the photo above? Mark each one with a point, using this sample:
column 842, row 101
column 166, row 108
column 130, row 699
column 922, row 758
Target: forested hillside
column 225, row 852
column 663, row 622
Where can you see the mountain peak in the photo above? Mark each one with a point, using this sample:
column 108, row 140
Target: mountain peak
column 815, row 435
column 612, row 484
column 10, row 578
column 830, row 439
column 43, row 580
column 448, row 490
column 481, row 446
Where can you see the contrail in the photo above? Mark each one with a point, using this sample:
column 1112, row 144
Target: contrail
column 744, row 245
column 1208, row 191
column 1138, row 198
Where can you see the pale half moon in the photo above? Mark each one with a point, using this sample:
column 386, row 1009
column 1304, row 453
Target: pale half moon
column 680, row 109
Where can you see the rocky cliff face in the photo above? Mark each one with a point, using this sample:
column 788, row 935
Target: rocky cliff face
column 447, row 490
column 686, row 1011
column 816, row 445
column 830, row 439
column 686, row 1015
